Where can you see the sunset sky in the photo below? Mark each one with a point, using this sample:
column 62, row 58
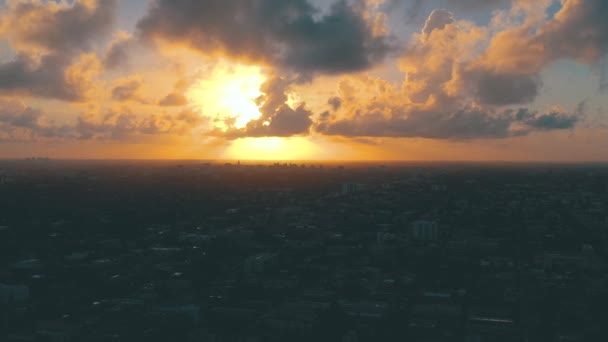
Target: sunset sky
column 505, row 80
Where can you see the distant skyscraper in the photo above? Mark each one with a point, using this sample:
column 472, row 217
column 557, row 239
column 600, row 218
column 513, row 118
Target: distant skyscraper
column 349, row 188
column 423, row 230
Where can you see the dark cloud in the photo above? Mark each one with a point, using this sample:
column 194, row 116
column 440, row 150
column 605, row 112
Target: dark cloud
column 20, row 75
column 59, row 29
column 458, row 125
column 507, row 71
column 19, row 122
column 416, row 8
column 127, row 126
column 477, row 4
column 603, row 71
column 438, row 20
column 335, row 103
column 552, row 121
column 128, row 90
column 277, row 119
column 579, row 31
column 174, row 99
column 286, row 33
column 15, row 114
column 457, row 85
column 50, row 40
column 119, row 52
column 450, row 64
column 506, row 89
column 51, row 77
column 464, row 124
column 284, row 122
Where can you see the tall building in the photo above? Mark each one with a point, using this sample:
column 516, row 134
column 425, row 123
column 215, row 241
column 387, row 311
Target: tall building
column 423, row 230
column 349, row 188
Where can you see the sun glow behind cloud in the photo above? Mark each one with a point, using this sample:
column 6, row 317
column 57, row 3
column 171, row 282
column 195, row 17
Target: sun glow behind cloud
column 209, row 79
column 228, row 95
column 297, row 148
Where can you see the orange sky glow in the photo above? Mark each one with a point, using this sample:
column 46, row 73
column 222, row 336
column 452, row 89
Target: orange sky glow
column 304, row 80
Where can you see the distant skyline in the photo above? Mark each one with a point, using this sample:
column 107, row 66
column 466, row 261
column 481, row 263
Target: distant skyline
column 445, row 80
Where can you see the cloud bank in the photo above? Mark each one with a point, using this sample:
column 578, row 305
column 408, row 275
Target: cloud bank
column 290, row 34
column 461, row 80
column 53, row 42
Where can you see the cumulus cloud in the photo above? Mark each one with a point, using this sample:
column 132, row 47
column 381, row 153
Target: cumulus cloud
column 289, row 34
column 278, row 119
column 53, row 41
column 56, row 27
column 457, row 61
column 506, row 88
column 373, row 107
column 450, row 62
column 19, row 122
column 467, row 123
column 174, row 99
column 16, row 114
column 128, row 89
column 603, row 71
column 462, row 80
column 477, row 4
column 519, row 52
column 436, row 61
column 119, row 52
column 463, row 124
column 579, row 31
column 335, row 102
column 55, row 77
column 438, row 19
column 553, row 121
column 124, row 125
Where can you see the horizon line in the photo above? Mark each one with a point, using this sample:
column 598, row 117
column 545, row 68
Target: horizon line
column 282, row 161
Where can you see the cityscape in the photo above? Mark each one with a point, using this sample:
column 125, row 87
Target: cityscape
column 197, row 251
column 303, row 170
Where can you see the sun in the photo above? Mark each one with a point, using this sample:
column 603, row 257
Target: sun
column 272, row 148
column 228, row 95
